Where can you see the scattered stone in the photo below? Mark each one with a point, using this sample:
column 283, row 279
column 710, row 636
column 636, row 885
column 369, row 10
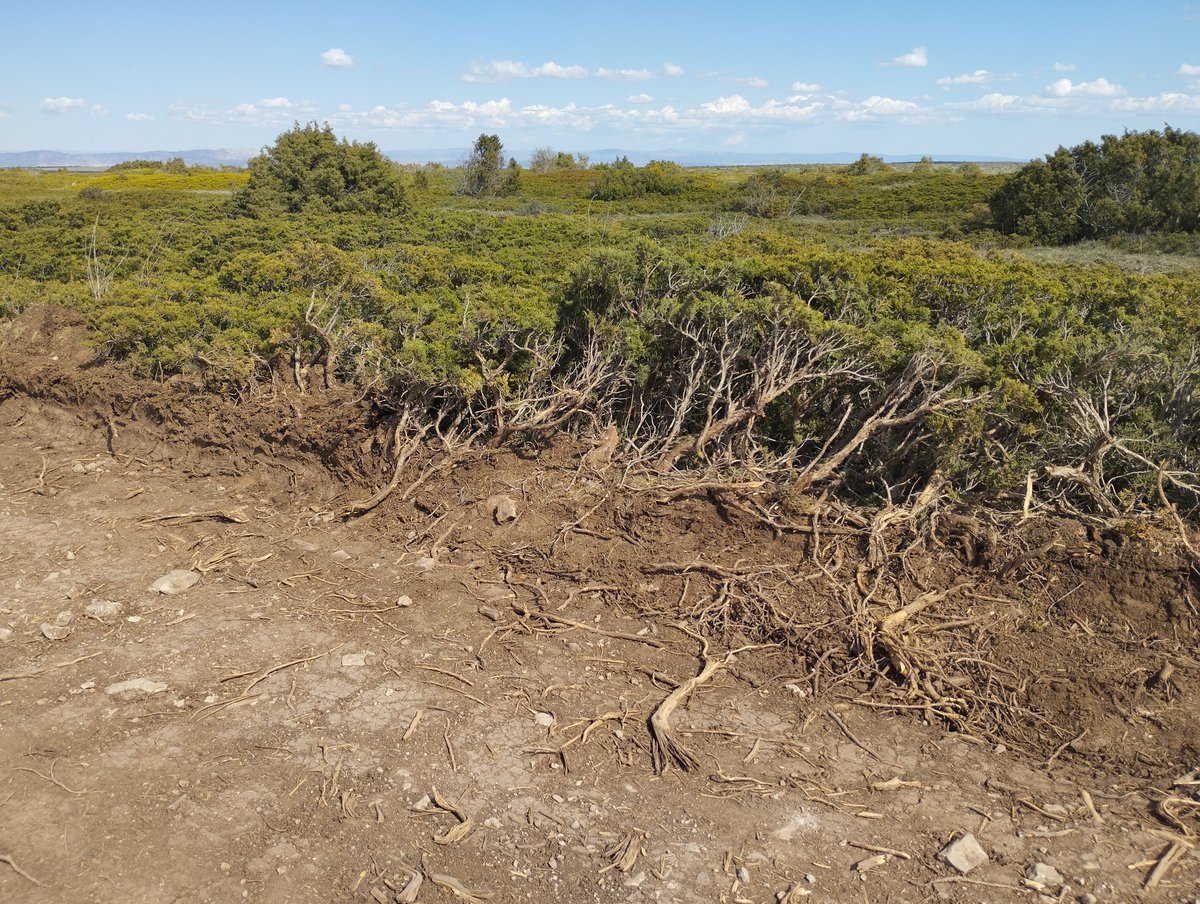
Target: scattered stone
column 340, row 555
column 423, row 804
column 544, row 719
column 404, row 601
column 87, row 685
column 425, row 563
column 492, row 822
column 743, row 875
column 175, row 581
column 135, row 689
column 963, row 854
column 496, row 592
column 1088, row 898
column 64, row 618
column 1044, row 874
column 355, row 660
column 5, row 633
column 55, row 632
column 503, row 509
column 99, row 608
column 636, row 880
column 489, row 612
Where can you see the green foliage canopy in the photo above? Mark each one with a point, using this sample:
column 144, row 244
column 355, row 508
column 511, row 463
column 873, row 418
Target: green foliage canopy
column 308, row 169
column 1138, row 182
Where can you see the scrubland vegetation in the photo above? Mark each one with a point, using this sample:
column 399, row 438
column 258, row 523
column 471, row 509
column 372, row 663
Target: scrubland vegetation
column 872, row 329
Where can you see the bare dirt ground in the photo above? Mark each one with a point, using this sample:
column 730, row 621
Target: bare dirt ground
column 340, row 710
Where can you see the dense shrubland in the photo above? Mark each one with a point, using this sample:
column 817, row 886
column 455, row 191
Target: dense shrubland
column 811, row 327
column 1139, row 182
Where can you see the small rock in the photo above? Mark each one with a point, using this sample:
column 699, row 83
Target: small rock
column 425, row 563
column 496, row 592
column 354, row 660
column 340, row 555
column 544, row 719
column 64, row 618
column 573, row 647
column 489, row 612
column 1056, row 809
column 99, row 608
column 55, row 632
column 1088, row 898
column 5, row 633
column 175, row 581
column 492, row 822
column 503, row 509
column 743, row 875
column 1044, row 874
column 404, row 602
column 423, row 804
column 963, row 854
column 87, row 685
column 135, row 689
column 636, row 880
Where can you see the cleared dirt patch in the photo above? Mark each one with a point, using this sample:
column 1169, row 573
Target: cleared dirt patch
column 440, row 690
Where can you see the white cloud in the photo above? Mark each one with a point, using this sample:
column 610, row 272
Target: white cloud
column 269, row 111
column 1101, row 87
column 991, row 102
column 5, row 110
column 877, row 107
column 978, row 77
column 732, row 115
column 99, row 110
column 670, row 69
column 1189, row 69
column 337, row 58
column 749, row 81
column 492, row 71
column 635, row 75
column 139, row 117
column 805, row 87
column 916, row 58
column 1166, row 102
column 60, row 104
column 1064, row 67
column 734, row 140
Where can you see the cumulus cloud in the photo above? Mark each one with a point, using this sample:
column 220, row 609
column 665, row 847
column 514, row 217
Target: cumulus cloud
column 139, row 117
column 1189, row 69
column 491, row 71
column 916, row 58
column 734, row 140
column 1064, row 67
column 731, row 115
column 60, row 104
column 979, row 77
column 805, row 87
column 269, row 111
column 877, row 107
column 1101, row 87
column 749, row 81
column 634, row 75
column 1166, row 102
column 99, row 110
column 337, row 58
column 670, row 69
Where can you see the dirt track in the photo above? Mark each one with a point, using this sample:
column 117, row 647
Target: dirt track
column 299, row 713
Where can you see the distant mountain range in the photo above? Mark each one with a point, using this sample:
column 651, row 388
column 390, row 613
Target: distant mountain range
column 454, row 156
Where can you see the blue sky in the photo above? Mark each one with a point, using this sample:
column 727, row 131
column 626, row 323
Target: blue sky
column 1011, row 79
